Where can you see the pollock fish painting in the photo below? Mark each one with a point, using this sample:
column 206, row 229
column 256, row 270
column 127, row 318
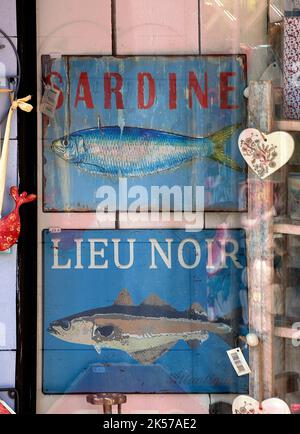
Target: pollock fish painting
column 163, row 121
column 143, row 311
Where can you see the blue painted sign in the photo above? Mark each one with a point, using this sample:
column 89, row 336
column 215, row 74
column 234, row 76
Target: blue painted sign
column 154, row 121
column 143, row 311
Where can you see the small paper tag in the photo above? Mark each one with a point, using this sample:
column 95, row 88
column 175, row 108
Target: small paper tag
column 49, row 101
column 238, row 361
column 55, row 230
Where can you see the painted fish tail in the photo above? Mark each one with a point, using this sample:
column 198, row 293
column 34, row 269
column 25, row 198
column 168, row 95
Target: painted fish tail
column 219, row 139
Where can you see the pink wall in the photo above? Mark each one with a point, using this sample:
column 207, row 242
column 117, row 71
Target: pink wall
column 138, row 404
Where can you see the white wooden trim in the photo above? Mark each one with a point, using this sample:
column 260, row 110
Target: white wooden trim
column 287, row 228
column 287, row 333
column 286, row 125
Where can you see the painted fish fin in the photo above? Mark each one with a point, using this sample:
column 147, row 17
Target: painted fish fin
column 193, row 344
column 124, row 298
column 197, row 309
column 147, row 357
column 90, row 168
column 154, row 300
column 98, row 348
column 219, row 139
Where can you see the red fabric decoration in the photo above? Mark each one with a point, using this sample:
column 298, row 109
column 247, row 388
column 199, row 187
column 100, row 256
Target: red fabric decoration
column 10, row 225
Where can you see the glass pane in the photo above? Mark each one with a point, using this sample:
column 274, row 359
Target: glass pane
column 164, row 236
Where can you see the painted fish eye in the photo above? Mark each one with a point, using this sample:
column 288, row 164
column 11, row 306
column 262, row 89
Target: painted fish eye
column 65, row 142
column 65, row 324
column 104, row 331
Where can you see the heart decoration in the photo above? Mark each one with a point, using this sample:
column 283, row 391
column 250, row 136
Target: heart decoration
column 266, row 154
column 244, row 404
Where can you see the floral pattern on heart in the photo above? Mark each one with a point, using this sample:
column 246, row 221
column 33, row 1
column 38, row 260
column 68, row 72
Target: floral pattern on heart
column 263, row 155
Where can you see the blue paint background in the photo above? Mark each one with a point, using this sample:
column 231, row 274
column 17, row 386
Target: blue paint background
column 203, row 370
column 66, row 188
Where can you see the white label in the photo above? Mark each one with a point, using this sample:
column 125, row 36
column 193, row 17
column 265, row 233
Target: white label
column 238, row 361
column 55, row 230
column 49, row 101
column 55, row 55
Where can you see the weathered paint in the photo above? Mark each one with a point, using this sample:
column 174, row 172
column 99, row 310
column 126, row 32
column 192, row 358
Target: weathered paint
column 76, row 27
column 260, row 252
column 167, row 332
column 134, row 100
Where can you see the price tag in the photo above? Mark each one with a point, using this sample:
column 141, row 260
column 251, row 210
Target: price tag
column 49, row 101
column 55, row 230
column 238, row 361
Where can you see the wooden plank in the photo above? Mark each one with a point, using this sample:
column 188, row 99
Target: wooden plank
column 233, row 220
column 162, row 220
column 287, row 333
column 238, row 20
column 78, row 221
column 73, row 26
column 136, row 404
column 287, row 229
column 260, row 253
column 260, row 106
column 286, row 125
column 162, row 28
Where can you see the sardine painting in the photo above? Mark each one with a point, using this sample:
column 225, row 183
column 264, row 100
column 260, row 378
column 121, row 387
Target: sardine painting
column 160, row 121
column 137, row 151
column 143, row 311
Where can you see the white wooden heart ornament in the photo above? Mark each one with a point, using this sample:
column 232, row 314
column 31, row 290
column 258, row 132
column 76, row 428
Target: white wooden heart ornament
column 244, row 404
column 266, row 154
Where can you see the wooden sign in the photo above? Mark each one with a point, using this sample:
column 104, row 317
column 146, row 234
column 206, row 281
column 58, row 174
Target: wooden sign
column 143, row 311
column 154, row 121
